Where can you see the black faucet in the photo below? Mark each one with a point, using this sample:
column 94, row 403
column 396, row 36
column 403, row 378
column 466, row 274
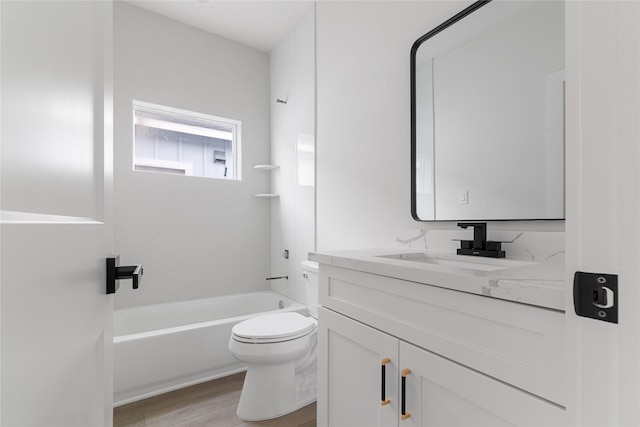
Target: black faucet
column 479, row 246
column 479, row 233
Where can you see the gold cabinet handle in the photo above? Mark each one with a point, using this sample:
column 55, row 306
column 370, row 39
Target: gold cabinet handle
column 384, row 400
column 403, row 413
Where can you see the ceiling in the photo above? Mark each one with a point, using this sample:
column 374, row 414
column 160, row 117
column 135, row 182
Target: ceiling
column 258, row 23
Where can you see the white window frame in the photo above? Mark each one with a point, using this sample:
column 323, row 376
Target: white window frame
column 148, row 107
column 146, row 162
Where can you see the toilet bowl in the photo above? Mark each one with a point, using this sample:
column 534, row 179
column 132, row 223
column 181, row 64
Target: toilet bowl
column 280, row 352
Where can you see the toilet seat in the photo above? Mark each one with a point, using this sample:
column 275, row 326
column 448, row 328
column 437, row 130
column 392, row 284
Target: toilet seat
column 272, row 328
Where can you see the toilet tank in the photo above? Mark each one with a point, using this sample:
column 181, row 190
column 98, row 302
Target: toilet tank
column 310, row 274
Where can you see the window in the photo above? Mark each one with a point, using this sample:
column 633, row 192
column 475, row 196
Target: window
column 173, row 141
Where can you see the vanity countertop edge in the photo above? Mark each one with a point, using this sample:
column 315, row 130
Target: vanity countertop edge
column 539, row 284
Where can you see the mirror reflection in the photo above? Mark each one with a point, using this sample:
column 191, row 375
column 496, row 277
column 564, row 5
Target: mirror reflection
column 488, row 114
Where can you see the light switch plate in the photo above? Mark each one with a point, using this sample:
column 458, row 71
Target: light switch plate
column 463, row 197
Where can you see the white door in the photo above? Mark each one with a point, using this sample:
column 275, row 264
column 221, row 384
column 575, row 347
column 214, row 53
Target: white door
column 56, row 169
column 603, row 206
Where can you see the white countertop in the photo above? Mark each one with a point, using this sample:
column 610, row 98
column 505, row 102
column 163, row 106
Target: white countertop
column 534, row 283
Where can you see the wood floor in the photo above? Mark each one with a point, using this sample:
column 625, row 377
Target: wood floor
column 212, row 403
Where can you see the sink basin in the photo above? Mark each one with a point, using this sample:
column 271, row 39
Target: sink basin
column 460, row 261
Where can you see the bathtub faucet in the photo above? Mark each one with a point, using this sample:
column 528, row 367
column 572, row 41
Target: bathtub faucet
column 117, row 272
column 279, row 277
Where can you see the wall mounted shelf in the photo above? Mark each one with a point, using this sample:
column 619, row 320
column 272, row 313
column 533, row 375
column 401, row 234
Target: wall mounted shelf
column 268, row 168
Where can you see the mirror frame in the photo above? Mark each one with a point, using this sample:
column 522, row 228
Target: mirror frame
column 414, row 50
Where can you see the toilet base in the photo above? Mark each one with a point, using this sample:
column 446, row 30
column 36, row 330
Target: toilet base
column 271, row 391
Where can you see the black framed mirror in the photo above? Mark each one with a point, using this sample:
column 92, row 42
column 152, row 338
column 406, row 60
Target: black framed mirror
column 487, row 114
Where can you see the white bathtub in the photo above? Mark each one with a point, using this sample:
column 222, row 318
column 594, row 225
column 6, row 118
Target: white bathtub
column 164, row 347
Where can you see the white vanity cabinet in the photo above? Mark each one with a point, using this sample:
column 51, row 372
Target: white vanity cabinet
column 473, row 360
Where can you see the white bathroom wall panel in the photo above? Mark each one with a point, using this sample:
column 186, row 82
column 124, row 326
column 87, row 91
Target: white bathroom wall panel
column 197, row 237
column 527, row 245
column 292, row 136
column 363, row 167
column 363, row 122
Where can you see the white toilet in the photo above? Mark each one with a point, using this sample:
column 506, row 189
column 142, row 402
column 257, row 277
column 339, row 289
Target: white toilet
column 280, row 353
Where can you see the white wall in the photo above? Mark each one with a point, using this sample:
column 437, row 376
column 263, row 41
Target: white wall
column 197, row 237
column 363, row 124
column 292, row 136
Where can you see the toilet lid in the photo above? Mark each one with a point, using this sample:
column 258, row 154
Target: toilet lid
column 274, row 327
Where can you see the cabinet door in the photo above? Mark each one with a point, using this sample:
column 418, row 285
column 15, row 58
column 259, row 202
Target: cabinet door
column 350, row 373
column 440, row 392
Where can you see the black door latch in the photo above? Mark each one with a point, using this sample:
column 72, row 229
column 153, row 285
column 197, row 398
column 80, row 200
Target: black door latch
column 595, row 295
